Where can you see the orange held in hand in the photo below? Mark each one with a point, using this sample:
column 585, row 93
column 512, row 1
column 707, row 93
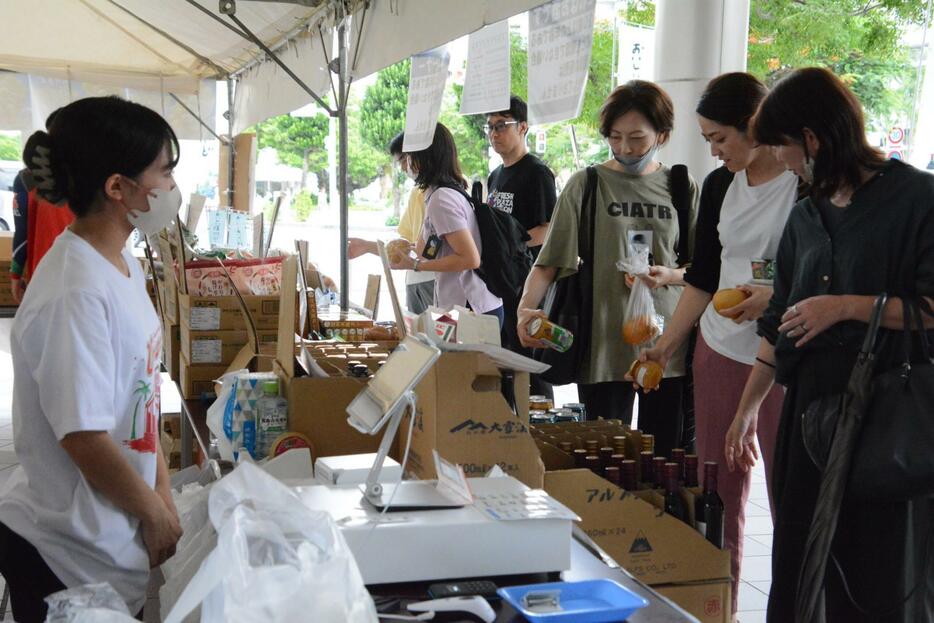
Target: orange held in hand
column 648, row 374
column 398, row 250
column 639, row 330
column 725, row 299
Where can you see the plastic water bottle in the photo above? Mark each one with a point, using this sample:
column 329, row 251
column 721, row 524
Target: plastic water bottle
column 272, row 418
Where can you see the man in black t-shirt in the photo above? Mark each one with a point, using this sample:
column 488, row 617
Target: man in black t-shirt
column 524, row 187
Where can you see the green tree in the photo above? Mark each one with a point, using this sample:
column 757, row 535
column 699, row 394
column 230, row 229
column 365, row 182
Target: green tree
column 857, row 39
column 366, row 160
column 382, row 116
column 10, row 148
column 299, row 142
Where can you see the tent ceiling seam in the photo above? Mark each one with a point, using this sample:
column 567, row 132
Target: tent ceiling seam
column 220, row 71
column 142, row 43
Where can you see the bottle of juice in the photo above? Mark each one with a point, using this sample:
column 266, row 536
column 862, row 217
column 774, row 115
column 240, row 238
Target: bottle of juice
column 272, row 418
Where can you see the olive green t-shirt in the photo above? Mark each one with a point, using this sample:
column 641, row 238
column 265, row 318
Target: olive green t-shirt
column 626, row 205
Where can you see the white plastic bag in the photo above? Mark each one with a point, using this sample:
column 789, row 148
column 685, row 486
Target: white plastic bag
column 640, row 322
column 97, row 603
column 217, row 411
column 275, row 560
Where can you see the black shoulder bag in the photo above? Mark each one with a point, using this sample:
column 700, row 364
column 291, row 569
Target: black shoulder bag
column 892, row 456
column 569, row 302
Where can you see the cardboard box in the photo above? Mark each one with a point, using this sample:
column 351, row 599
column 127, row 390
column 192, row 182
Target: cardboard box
column 349, row 326
column 6, row 246
column 218, row 347
column 171, row 350
column 196, row 380
column 222, row 313
column 710, row 602
column 463, row 415
column 652, row 545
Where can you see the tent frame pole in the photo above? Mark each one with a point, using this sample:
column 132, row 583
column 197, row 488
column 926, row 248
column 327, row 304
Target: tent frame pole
column 344, row 92
column 201, row 121
column 232, row 145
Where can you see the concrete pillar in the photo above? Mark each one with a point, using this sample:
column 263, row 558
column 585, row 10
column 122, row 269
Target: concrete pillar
column 696, row 40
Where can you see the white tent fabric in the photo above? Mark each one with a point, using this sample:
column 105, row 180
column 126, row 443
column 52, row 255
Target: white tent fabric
column 395, row 30
column 26, row 100
column 142, row 44
column 72, row 48
column 265, row 90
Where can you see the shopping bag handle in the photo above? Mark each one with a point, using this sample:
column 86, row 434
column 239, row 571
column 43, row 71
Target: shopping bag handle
column 875, row 321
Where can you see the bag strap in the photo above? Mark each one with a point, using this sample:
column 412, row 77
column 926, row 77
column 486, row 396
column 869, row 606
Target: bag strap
column 588, row 217
column 869, row 342
column 476, row 193
column 913, row 305
column 679, row 187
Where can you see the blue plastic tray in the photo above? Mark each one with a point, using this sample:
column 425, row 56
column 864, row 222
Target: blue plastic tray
column 590, row 601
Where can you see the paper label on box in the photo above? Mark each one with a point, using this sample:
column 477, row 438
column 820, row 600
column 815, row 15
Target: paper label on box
column 205, row 319
column 206, row 351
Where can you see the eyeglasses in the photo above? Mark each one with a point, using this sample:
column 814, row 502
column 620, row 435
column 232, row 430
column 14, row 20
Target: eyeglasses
column 498, row 127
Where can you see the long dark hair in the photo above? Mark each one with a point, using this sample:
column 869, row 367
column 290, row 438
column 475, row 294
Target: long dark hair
column 732, row 99
column 816, row 99
column 437, row 164
column 88, row 141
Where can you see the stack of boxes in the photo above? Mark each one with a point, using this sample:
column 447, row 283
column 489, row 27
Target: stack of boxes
column 632, row 527
column 6, row 259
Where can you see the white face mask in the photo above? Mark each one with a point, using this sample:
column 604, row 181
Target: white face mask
column 808, row 173
column 636, row 165
column 163, row 207
column 409, row 173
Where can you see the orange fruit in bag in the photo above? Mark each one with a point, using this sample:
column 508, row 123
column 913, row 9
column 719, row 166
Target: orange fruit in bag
column 727, row 298
column 398, row 250
column 639, row 330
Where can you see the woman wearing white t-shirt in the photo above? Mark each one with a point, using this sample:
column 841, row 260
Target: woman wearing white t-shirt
column 91, row 499
column 743, row 208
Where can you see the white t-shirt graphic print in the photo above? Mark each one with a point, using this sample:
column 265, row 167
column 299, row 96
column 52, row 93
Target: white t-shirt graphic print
column 86, row 345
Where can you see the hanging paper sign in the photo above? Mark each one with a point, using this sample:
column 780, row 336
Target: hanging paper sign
column 560, row 41
column 217, row 227
column 636, row 53
column 239, row 230
column 486, row 85
column 427, row 78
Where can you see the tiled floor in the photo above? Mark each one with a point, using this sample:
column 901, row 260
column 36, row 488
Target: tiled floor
column 757, row 559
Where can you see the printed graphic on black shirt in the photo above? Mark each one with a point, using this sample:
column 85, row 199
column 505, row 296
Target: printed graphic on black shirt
column 526, row 190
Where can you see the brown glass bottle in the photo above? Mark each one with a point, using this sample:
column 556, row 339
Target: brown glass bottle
column 611, row 473
column 580, row 457
column 593, row 464
column 677, row 456
column 658, row 469
column 566, row 446
column 674, row 505
column 646, row 469
column 627, row 475
column 690, row 470
column 648, row 443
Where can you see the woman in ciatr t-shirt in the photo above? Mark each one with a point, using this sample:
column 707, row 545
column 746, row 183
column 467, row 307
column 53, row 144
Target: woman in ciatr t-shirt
column 91, row 499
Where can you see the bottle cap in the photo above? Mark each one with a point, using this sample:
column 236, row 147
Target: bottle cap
column 271, row 388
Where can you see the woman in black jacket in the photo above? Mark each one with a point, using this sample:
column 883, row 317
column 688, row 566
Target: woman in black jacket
column 866, row 228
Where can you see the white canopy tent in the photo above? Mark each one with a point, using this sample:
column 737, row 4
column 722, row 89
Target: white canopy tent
column 163, row 52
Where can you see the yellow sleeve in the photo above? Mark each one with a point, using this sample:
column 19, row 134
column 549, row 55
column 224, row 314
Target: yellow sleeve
column 410, row 224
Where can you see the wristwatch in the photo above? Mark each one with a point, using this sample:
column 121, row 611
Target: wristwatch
column 415, row 268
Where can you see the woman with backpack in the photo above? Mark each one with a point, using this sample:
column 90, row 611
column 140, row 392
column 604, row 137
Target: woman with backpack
column 449, row 244
column 634, row 202
column 743, row 208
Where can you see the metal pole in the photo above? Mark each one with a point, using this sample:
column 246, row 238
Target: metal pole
column 231, row 147
column 342, row 162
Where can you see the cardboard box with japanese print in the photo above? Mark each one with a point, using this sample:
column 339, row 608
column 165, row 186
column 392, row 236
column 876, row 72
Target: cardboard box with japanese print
column 655, row 547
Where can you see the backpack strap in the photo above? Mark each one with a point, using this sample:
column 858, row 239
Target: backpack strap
column 588, row 217
column 679, row 187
